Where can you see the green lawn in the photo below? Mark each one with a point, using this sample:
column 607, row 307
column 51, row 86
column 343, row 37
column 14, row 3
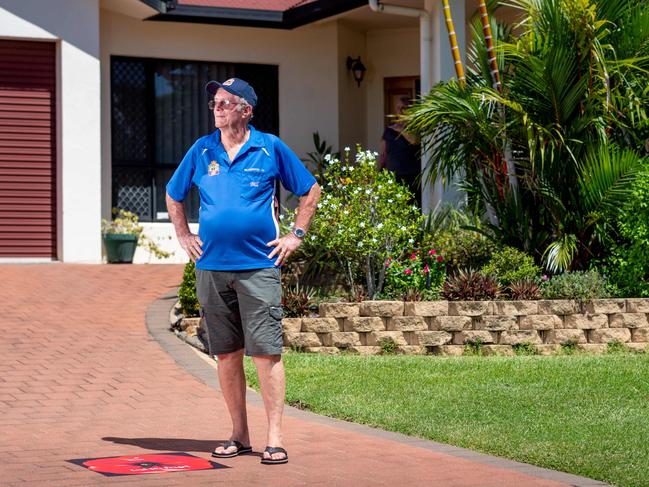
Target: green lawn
column 584, row 414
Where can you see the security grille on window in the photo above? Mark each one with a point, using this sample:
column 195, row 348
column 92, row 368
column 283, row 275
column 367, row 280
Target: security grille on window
column 159, row 108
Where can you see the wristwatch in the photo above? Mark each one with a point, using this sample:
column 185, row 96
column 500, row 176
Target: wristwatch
column 299, row 232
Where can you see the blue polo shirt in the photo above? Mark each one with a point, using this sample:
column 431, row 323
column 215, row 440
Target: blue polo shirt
column 236, row 216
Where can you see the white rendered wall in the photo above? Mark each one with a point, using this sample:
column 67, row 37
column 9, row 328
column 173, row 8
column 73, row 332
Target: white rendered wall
column 308, row 63
column 390, row 52
column 74, row 26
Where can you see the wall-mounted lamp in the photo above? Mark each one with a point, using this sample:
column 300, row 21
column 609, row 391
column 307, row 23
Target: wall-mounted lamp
column 357, row 68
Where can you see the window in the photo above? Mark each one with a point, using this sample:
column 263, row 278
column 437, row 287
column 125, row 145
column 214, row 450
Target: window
column 158, row 109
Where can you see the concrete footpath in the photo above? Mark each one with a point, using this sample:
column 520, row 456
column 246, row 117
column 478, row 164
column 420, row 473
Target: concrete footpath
column 89, row 370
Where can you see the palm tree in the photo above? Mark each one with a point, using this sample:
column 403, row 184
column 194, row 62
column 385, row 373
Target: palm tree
column 574, row 89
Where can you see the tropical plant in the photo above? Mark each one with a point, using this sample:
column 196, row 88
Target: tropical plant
column 524, row 289
column 470, row 285
column 297, row 300
column 550, row 159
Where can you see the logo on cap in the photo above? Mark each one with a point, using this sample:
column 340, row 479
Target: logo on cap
column 228, row 82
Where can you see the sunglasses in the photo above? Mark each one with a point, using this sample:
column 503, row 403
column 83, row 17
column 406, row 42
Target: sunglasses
column 222, row 104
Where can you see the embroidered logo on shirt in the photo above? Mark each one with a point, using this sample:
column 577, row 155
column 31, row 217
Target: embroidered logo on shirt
column 213, row 169
column 254, row 183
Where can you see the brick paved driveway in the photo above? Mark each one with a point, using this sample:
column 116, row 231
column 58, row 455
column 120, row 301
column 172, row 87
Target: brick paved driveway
column 81, row 377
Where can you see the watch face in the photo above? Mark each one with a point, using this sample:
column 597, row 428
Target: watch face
column 299, row 233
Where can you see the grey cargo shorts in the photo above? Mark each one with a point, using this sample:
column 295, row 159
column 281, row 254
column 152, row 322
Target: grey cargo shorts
column 241, row 309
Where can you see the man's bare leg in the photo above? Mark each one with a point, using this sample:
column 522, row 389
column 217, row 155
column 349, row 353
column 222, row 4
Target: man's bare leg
column 233, row 386
column 270, row 370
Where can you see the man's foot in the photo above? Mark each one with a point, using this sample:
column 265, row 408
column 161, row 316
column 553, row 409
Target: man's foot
column 231, row 448
column 274, row 455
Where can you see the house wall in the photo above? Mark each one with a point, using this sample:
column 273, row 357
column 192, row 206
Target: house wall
column 77, row 106
column 308, row 89
column 352, row 117
column 390, row 52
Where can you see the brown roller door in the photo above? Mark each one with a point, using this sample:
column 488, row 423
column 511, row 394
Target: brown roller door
column 27, row 149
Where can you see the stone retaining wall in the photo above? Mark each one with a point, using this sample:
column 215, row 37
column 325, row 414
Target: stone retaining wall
column 445, row 327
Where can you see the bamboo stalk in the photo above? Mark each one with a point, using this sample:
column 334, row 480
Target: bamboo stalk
column 455, row 50
column 486, row 30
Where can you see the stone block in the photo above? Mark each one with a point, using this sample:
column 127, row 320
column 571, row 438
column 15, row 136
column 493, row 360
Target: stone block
column 320, row 325
column 449, row 350
column 407, row 323
column 426, row 308
column 292, row 325
column 452, row 323
column 540, row 322
column 607, row 335
column 472, row 336
column 627, row 320
column 586, row 322
column 364, row 350
column 592, row 347
column 548, row 349
column 341, row 339
column 433, row 338
column 606, row 306
column 190, row 324
column 411, row 350
column 323, row 350
column 558, row 307
column 517, row 308
column 498, row 350
column 496, row 323
column 638, row 347
column 470, row 308
column 640, row 334
column 375, row 338
column 637, row 305
column 519, row 337
column 339, row 310
column 381, row 308
column 301, row 340
column 566, row 336
column 364, row 324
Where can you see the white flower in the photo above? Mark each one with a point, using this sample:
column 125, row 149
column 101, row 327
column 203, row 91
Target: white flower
column 374, row 240
column 390, row 201
column 379, row 226
column 351, row 168
column 411, row 241
column 414, row 207
column 327, row 157
column 359, row 245
column 390, row 181
column 346, row 212
column 312, row 237
column 367, row 191
column 362, row 224
column 376, row 154
column 281, row 217
column 379, row 186
column 403, row 229
column 347, row 149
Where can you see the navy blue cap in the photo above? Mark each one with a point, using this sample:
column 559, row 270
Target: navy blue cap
column 235, row 86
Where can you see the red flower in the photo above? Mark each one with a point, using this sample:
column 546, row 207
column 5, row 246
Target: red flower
column 439, row 258
column 387, row 262
column 407, row 272
column 432, row 252
column 413, row 256
column 426, row 269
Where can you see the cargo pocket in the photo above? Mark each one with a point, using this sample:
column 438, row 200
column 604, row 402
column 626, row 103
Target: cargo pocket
column 276, row 312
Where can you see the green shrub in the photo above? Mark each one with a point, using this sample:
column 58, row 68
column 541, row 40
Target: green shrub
column 474, row 348
column 189, row 305
column 510, row 265
column 525, row 349
column 364, row 217
column 414, row 274
column 581, row 285
column 463, row 249
column 628, row 265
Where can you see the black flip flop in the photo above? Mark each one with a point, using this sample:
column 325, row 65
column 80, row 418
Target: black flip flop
column 230, row 443
column 270, row 461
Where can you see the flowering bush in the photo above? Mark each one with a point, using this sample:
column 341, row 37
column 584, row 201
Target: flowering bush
column 364, row 216
column 420, row 271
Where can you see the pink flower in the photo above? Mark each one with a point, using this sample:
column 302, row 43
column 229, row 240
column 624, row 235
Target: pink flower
column 413, row 256
column 387, row 262
column 426, row 269
column 432, row 252
column 545, row 277
column 407, row 272
column 439, row 258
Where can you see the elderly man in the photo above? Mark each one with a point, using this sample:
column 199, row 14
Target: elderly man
column 238, row 252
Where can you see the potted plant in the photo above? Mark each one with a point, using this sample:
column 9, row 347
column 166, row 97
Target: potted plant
column 121, row 236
